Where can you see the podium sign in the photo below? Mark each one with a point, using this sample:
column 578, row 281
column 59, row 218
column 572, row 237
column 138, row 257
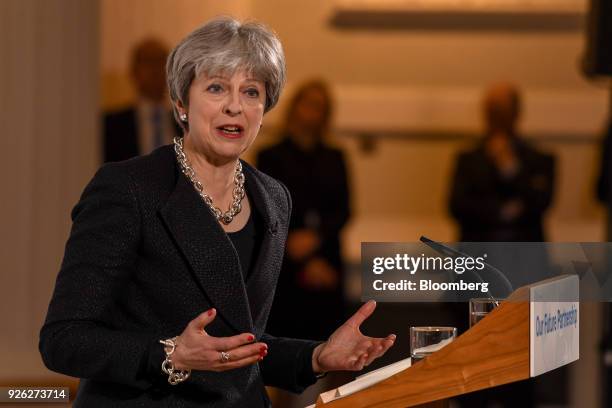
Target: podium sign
column 554, row 324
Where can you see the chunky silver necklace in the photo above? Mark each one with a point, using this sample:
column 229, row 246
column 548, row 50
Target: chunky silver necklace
column 237, row 193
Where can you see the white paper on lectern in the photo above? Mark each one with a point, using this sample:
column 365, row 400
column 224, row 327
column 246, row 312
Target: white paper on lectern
column 401, row 365
column 373, row 377
column 364, row 381
column 432, row 348
column 328, row 396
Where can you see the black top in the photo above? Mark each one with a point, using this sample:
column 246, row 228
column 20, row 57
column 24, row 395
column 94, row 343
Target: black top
column 247, row 242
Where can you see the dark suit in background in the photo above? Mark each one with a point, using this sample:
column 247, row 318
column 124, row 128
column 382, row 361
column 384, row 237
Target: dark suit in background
column 132, row 131
column 604, row 181
column 479, row 192
column 146, row 256
column 604, row 195
column 121, row 134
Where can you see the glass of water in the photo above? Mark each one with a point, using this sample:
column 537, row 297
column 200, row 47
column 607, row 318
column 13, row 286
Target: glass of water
column 427, row 340
column 480, row 308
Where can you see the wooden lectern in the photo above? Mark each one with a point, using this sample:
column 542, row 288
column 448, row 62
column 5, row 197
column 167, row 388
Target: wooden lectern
column 495, row 351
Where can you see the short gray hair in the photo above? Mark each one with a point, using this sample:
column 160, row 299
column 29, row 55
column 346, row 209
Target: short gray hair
column 224, row 45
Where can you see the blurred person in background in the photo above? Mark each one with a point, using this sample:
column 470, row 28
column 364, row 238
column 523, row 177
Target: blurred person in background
column 148, row 123
column 604, row 181
column 501, row 189
column 162, row 298
column 310, row 296
column 499, row 193
column 604, row 195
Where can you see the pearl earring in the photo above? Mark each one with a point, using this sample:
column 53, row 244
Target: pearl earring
column 183, row 117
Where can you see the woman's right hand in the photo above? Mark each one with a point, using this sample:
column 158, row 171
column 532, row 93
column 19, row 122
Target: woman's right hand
column 196, row 350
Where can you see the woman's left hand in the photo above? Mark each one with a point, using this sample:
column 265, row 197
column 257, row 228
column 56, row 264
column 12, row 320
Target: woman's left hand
column 347, row 348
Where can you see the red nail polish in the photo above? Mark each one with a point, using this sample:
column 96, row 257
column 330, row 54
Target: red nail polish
column 211, row 311
column 263, row 348
column 250, row 338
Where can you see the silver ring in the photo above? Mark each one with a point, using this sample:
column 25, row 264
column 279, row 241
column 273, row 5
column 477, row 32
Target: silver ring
column 225, row 357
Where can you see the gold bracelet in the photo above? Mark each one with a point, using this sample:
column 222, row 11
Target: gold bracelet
column 174, row 376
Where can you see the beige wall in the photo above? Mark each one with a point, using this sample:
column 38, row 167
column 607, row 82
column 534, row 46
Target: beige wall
column 404, row 80
column 442, row 73
column 48, row 111
column 124, row 23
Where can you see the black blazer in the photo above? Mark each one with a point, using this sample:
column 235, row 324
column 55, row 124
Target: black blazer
column 144, row 257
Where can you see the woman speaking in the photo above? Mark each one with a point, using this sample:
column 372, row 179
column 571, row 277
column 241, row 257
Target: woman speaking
column 172, row 261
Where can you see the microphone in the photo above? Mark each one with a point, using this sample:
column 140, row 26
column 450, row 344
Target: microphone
column 446, row 250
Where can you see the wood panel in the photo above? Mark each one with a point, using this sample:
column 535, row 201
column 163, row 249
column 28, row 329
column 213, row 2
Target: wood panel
column 492, row 353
